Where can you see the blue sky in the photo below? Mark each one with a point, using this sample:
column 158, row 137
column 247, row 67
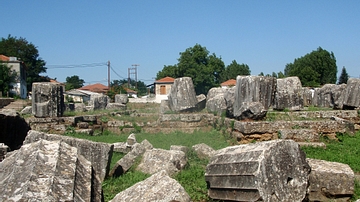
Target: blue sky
column 266, row 35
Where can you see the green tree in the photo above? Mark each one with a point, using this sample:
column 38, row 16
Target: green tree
column 233, row 70
column 344, row 76
column 196, row 62
column 261, row 74
column 29, row 54
column 7, row 78
column 74, row 82
column 280, row 75
column 321, row 64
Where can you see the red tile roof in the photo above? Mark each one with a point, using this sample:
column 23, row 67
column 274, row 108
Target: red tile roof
column 231, row 82
column 166, row 80
column 4, row 58
column 97, row 88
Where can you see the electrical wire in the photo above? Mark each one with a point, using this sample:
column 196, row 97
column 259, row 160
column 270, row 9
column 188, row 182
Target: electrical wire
column 75, row 66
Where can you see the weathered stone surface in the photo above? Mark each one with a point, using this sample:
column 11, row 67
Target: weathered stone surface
column 47, row 99
column 80, row 107
column 98, row 102
column 216, row 104
column 267, row 171
column 312, row 144
column 171, row 161
column 261, row 127
column 308, row 95
column 3, row 151
column 254, row 89
column 203, row 151
column 83, row 125
column 87, row 131
column 215, row 91
column 48, row 170
column 13, row 128
column 250, row 110
column 164, row 106
column 352, row 93
column 179, row 148
column 99, row 154
column 182, row 96
column 330, row 181
column 288, row 94
column 26, row 110
column 147, row 145
column 131, row 140
column 90, row 118
column 201, row 102
column 330, row 95
column 229, row 97
column 158, row 187
column 299, row 135
column 121, row 147
column 121, row 98
column 117, row 106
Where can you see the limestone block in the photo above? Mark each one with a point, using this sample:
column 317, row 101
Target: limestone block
column 51, row 170
column 26, row 110
column 352, row 93
column 131, row 140
column 113, row 106
column 216, row 104
column 215, row 91
column 229, row 97
column 266, row 171
column 254, row 89
column 330, row 181
column 250, row 110
column 3, row 151
column 121, row 98
column 179, row 148
column 158, row 187
column 99, row 154
column 182, row 95
column 300, row 135
column 98, row 102
column 121, row 147
column 288, row 94
column 170, row 160
column 330, row 95
column 203, row 151
column 47, row 99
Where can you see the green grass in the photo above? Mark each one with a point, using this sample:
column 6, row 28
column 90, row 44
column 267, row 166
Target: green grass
column 346, row 150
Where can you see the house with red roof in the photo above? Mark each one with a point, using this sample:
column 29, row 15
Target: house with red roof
column 163, row 88
column 97, row 88
column 228, row 83
column 19, row 87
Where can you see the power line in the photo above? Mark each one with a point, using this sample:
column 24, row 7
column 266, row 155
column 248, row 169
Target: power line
column 75, row 66
column 116, row 73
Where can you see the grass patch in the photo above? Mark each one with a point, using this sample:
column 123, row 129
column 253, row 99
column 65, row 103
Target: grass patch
column 346, row 150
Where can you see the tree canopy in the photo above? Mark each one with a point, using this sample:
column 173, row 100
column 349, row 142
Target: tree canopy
column 314, row 69
column 196, row 62
column 344, row 76
column 233, row 70
column 119, row 86
column 73, row 82
column 7, row 78
column 27, row 53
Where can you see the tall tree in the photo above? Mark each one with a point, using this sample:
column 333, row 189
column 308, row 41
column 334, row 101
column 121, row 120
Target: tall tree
column 233, row 70
column 320, row 64
column 29, row 54
column 344, row 76
column 74, row 82
column 196, row 62
column 7, row 78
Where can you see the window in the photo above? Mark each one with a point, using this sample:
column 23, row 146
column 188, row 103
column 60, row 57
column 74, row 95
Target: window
column 162, row 90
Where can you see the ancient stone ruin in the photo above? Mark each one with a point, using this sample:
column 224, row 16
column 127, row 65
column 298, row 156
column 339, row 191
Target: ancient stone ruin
column 51, row 170
column 48, row 99
column 267, row 171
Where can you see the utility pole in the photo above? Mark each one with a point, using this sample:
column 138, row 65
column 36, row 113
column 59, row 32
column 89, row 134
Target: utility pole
column 132, row 70
column 108, row 64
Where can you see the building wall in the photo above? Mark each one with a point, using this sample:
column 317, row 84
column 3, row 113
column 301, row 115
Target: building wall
column 19, row 88
column 158, row 87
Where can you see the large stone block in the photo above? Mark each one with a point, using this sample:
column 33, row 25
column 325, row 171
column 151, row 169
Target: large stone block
column 182, row 96
column 121, row 98
column 330, row 181
column 352, row 93
column 254, row 89
column 47, row 99
column 289, row 94
column 98, row 102
column 158, row 187
column 48, row 171
column 267, row 171
column 99, row 154
column 330, row 95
